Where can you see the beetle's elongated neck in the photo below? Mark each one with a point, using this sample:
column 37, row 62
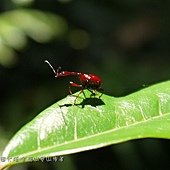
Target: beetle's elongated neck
column 59, row 73
column 66, row 73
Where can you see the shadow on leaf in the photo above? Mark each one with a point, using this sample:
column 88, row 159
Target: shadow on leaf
column 87, row 101
column 91, row 101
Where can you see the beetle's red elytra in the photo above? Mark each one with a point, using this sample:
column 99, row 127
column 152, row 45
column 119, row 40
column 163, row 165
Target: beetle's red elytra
column 90, row 82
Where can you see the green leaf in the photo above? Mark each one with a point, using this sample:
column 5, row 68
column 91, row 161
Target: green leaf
column 91, row 123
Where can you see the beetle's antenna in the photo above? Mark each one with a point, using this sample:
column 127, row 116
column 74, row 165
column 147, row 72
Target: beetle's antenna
column 55, row 72
column 46, row 61
column 58, row 70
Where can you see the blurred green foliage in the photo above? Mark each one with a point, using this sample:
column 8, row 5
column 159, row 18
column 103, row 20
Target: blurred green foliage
column 125, row 42
column 17, row 24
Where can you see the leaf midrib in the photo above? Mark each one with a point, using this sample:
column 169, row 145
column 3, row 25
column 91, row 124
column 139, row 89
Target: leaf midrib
column 91, row 136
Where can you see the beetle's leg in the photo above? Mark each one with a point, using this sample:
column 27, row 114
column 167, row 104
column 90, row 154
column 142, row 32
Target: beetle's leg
column 101, row 91
column 93, row 92
column 76, row 85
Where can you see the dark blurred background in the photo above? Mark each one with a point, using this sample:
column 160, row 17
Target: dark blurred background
column 125, row 42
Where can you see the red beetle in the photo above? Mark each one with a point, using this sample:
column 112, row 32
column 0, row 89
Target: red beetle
column 90, row 82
